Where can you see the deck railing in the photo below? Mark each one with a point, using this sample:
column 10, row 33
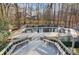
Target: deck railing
column 10, row 45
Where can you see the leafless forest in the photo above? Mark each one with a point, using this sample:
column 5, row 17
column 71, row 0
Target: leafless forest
column 40, row 14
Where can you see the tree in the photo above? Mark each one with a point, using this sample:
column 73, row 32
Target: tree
column 17, row 15
column 58, row 14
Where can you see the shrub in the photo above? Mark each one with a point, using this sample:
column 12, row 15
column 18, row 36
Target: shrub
column 3, row 36
column 4, row 23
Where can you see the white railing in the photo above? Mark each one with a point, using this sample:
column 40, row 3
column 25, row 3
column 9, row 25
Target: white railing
column 67, row 50
column 6, row 49
column 63, row 49
column 14, row 47
column 58, row 46
column 10, row 45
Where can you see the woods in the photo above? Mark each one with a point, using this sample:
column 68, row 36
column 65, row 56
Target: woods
column 54, row 14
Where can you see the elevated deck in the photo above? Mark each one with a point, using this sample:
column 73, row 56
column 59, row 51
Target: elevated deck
column 37, row 47
column 38, row 43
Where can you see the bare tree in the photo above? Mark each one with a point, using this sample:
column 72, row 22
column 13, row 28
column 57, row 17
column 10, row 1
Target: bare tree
column 17, row 15
column 58, row 14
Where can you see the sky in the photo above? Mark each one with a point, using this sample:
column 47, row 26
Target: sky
column 41, row 5
column 33, row 6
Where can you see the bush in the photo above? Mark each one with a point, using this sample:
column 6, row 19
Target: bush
column 4, row 35
column 4, row 23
